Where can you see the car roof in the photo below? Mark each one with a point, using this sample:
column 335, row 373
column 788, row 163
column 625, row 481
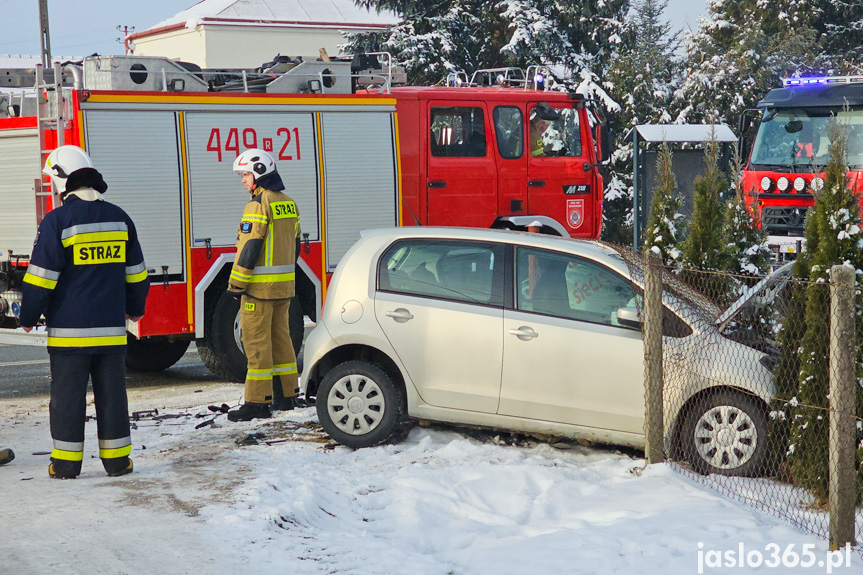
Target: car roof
column 586, row 248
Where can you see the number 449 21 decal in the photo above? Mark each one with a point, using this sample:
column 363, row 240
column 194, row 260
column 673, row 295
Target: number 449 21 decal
column 287, row 138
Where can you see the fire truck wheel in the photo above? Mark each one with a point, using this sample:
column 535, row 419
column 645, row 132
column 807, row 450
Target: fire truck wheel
column 220, row 348
column 153, row 354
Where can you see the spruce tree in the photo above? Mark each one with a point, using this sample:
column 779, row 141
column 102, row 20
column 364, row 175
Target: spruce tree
column 743, row 49
column 643, row 75
column 836, row 229
column 665, row 226
column 744, row 238
column 575, row 39
column 704, row 249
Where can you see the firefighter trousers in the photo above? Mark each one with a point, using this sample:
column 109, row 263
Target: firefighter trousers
column 69, row 377
column 270, row 353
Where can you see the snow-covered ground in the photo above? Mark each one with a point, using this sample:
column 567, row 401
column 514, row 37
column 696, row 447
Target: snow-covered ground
column 441, row 502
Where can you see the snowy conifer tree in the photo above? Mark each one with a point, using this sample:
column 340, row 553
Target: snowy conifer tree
column 704, row 248
column 741, row 51
column 642, row 78
column 843, row 34
column 434, row 39
column 665, row 226
column 744, row 238
column 836, row 231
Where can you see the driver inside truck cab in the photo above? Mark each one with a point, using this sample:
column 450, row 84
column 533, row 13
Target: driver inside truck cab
column 805, row 147
column 538, row 128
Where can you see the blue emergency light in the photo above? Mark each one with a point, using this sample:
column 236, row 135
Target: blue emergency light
column 820, row 81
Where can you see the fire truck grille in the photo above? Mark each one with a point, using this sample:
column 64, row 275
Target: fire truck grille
column 783, row 221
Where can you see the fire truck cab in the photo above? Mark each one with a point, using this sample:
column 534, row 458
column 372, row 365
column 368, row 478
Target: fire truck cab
column 790, row 152
column 354, row 152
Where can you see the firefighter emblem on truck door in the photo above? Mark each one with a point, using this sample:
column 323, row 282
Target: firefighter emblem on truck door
column 575, row 213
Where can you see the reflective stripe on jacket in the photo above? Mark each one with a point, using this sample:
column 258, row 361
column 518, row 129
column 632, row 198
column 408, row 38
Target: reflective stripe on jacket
column 264, row 267
column 87, row 272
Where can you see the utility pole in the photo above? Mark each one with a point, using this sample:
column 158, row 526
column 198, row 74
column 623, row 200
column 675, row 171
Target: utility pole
column 125, row 30
column 44, row 34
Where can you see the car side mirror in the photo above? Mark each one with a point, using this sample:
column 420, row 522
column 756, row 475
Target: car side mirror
column 628, row 317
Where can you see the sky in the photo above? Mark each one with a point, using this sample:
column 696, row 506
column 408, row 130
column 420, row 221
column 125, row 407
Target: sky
column 82, row 27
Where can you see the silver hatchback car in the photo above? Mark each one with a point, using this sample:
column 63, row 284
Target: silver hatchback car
column 515, row 331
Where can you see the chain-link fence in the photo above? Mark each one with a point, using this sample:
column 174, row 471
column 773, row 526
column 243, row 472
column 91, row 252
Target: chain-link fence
column 758, row 393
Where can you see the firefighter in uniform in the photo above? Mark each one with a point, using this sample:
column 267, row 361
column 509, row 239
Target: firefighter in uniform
column 87, row 276
column 268, row 244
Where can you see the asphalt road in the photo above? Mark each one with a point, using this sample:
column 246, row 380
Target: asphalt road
column 25, row 372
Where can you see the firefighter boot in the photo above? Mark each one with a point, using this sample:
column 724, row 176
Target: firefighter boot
column 118, row 466
column 280, row 402
column 62, row 469
column 249, row 411
column 6, row 456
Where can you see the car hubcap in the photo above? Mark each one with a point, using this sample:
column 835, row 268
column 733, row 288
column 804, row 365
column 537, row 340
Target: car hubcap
column 725, row 437
column 355, row 404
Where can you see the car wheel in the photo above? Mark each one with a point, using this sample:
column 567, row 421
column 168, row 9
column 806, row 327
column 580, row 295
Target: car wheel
column 726, row 434
column 358, row 404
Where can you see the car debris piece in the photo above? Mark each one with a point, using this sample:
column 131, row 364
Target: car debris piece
column 206, row 423
column 251, row 439
column 139, row 415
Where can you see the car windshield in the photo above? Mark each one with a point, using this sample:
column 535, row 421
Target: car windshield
column 798, row 139
column 679, row 296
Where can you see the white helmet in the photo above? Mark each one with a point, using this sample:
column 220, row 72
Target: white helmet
column 255, row 161
column 62, row 162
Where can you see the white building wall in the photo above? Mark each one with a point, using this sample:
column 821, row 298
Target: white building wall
column 239, row 46
column 183, row 44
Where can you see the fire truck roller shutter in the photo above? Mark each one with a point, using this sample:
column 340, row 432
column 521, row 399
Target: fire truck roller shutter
column 218, row 197
column 361, row 177
column 138, row 155
column 19, row 169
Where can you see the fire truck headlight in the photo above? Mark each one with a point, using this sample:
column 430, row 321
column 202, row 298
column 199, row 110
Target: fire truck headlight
column 782, row 184
column 817, row 184
column 766, row 183
column 799, row 184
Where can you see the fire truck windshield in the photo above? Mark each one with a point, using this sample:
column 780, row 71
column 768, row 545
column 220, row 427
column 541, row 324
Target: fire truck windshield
column 798, row 139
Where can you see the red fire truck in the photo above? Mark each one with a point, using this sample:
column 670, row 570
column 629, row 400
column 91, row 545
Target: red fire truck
column 789, row 152
column 354, row 154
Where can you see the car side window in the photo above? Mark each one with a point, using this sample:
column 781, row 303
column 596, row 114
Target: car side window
column 509, row 128
column 470, row 272
column 554, row 133
column 570, row 287
column 457, row 132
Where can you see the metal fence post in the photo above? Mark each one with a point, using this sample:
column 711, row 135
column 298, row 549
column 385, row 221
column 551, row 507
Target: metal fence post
column 842, row 397
column 654, row 430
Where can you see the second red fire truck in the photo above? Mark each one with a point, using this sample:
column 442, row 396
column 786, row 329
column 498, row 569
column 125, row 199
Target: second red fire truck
column 790, row 152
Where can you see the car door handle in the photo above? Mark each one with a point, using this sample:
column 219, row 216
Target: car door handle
column 437, row 184
column 524, row 333
column 536, row 183
column 401, row 315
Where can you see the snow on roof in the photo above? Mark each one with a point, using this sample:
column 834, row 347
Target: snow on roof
column 685, row 132
column 300, row 11
column 16, row 61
